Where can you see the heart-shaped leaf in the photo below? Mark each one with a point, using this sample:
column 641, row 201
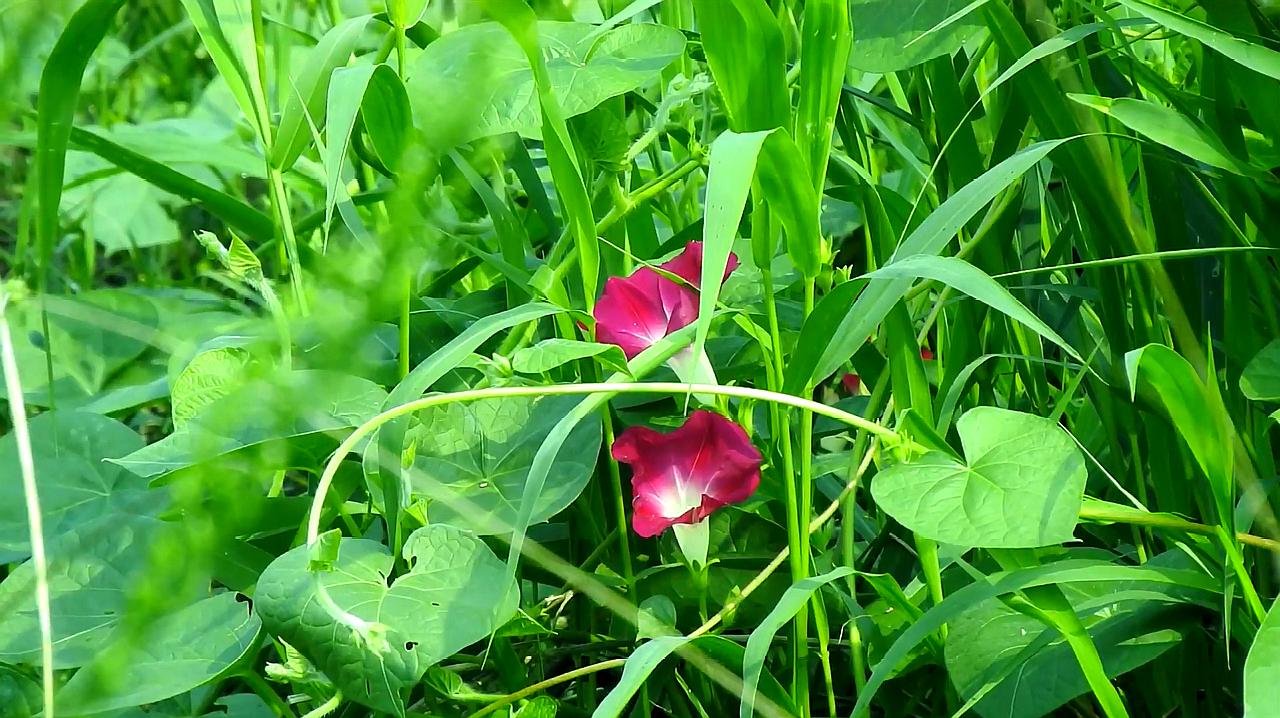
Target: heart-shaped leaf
column 891, row 37
column 75, row 484
column 476, row 82
column 90, row 569
column 91, row 336
column 1020, row 486
column 1261, row 378
column 473, row 460
column 283, row 406
column 455, row 593
column 184, row 650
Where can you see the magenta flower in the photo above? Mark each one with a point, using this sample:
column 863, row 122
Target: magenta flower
column 681, row 477
column 636, row 311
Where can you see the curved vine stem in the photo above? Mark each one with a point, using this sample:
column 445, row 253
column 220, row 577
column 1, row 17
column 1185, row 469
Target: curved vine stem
column 331, row 468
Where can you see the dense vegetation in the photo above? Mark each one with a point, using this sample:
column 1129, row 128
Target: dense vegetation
column 639, row 357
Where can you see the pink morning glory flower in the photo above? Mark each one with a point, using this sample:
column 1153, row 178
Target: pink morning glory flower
column 683, row 476
column 635, row 312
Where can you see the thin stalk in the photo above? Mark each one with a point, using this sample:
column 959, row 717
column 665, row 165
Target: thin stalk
column 611, row 388
column 280, row 214
column 264, row 691
column 35, row 518
column 619, row 507
column 1236, row 562
column 797, row 544
column 804, row 513
column 325, row 708
column 552, row 681
column 284, row 229
column 1137, row 517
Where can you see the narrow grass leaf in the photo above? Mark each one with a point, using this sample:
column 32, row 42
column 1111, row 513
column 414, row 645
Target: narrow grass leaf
column 520, row 21
column 636, row 671
column 930, row 238
column 252, row 222
column 1251, row 55
column 1168, row 127
column 758, row 644
column 1060, row 572
column 55, row 113
column 964, row 277
column 306, row 98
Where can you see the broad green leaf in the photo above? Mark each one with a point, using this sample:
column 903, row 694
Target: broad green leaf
column 382, row 462
column 282, row 406
column 91, row 569
column 454, row 594
column 1197, row 413
column 962, row 276
column 815, row 364
column 305, row 103
column 548, row 453
column 1194, row 584
column 1262, row 668
column 640, row 664
column 1025, row 667
column 551, row 353
column 761, row 639
column 1168, row 127
column 92, row 336
column 120, row 212
column 1261, row 378
column 1253, row 56
column 55, row 114
column 562, row 156
column 476, row 81
column 752, row 83
column 210, row 376
column 19, row 694
column 1020, row 486
column 888, row 37
column 388, row 118
column 231, row 210
column 74, row 482
column 539, row 707
column 183, row 651
column 473, row 459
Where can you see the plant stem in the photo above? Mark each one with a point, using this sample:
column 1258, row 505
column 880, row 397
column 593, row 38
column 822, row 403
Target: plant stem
column 284, row 229
column 619, row 507
column 35, row 518
column 796, row 544
column 552, row 681
column 267, row 694
column 610, row 388
column 325, row 708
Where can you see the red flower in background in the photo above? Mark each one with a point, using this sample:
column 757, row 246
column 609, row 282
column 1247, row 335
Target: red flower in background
column 681, row 477
column 851, row 383
column 635, row 312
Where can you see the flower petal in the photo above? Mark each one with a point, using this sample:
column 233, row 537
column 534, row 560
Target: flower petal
column 688, row 264
column 683, row 476
column 636, row 311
